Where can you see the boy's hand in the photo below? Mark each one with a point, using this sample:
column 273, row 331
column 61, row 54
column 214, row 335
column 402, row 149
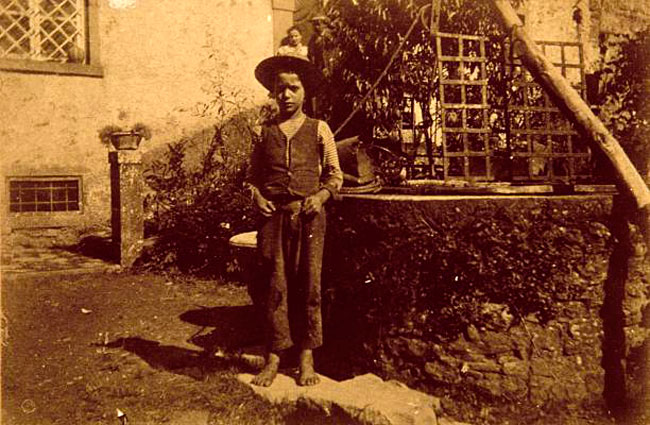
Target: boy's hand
column 314, row 203
column 265, row 206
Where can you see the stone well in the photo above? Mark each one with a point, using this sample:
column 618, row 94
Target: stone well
column 502, row 295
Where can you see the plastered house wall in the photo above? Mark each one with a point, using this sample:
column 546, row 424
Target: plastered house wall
column 157, row 69
column 621, row 16
column 553, row 20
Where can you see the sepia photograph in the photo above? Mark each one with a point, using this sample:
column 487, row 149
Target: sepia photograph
column 357, row 212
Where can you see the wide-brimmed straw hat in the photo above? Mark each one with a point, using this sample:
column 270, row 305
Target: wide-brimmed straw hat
column 268, row 69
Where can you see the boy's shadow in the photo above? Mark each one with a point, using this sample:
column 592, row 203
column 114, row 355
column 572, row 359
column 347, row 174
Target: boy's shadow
column 237, row 333
column 182, row 361
column 234, row 329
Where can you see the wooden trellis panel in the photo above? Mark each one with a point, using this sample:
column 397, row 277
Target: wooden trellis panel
column 544, row 145
column 464, row 107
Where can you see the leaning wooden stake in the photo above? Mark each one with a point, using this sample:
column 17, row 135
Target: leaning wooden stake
column 579, row 112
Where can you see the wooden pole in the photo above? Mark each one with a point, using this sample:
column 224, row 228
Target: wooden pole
column 569, row 100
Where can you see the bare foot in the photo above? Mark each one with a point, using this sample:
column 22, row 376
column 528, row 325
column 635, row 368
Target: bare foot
column 267, row 375
column 308, row 376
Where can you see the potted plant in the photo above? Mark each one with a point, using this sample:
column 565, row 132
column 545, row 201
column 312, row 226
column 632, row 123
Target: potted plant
column 125, row 139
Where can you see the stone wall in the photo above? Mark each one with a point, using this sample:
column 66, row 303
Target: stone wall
column 450, row 293
column 556, row 361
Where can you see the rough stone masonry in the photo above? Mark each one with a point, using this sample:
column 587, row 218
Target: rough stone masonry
column 499, row 351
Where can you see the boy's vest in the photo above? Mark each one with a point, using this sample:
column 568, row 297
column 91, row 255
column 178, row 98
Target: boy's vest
column 298, row 175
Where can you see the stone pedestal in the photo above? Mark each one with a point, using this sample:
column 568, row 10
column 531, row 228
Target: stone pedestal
column 127, row 215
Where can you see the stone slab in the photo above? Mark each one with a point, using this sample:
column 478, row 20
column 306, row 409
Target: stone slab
column 366, row 398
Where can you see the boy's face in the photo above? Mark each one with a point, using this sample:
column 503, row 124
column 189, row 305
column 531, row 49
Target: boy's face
column 289, row 93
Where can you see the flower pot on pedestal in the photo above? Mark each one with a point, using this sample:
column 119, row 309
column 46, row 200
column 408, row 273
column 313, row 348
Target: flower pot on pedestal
column 126, row 140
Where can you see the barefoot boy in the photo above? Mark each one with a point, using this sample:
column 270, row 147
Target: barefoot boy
column 294, row 170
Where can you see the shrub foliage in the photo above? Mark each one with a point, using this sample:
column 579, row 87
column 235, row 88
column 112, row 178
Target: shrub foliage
column 197, row 204
column 624, row 91
column 428, row 269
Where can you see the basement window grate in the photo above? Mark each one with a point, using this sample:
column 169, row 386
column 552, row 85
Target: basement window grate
column 44, row 195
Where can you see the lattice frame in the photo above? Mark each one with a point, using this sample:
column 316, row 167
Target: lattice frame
column 43, row 30
column 544, row 145
column 527, row 139
column 464, row 107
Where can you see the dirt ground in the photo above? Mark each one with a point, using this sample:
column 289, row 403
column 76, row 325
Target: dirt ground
column 76, row 349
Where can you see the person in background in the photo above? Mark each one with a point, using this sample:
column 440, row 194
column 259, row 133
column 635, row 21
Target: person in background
column 294, row 46
column 319, row 41
column 294, row 170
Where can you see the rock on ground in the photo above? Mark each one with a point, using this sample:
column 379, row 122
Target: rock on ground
column 366, row 399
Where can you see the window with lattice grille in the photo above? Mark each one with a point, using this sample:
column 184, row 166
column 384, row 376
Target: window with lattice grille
column 45, row 195
column 44, row 30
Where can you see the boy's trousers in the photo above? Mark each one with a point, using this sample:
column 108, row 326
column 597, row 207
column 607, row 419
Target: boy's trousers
column 290, row 246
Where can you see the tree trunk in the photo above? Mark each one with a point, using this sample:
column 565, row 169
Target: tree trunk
column 570, row 101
